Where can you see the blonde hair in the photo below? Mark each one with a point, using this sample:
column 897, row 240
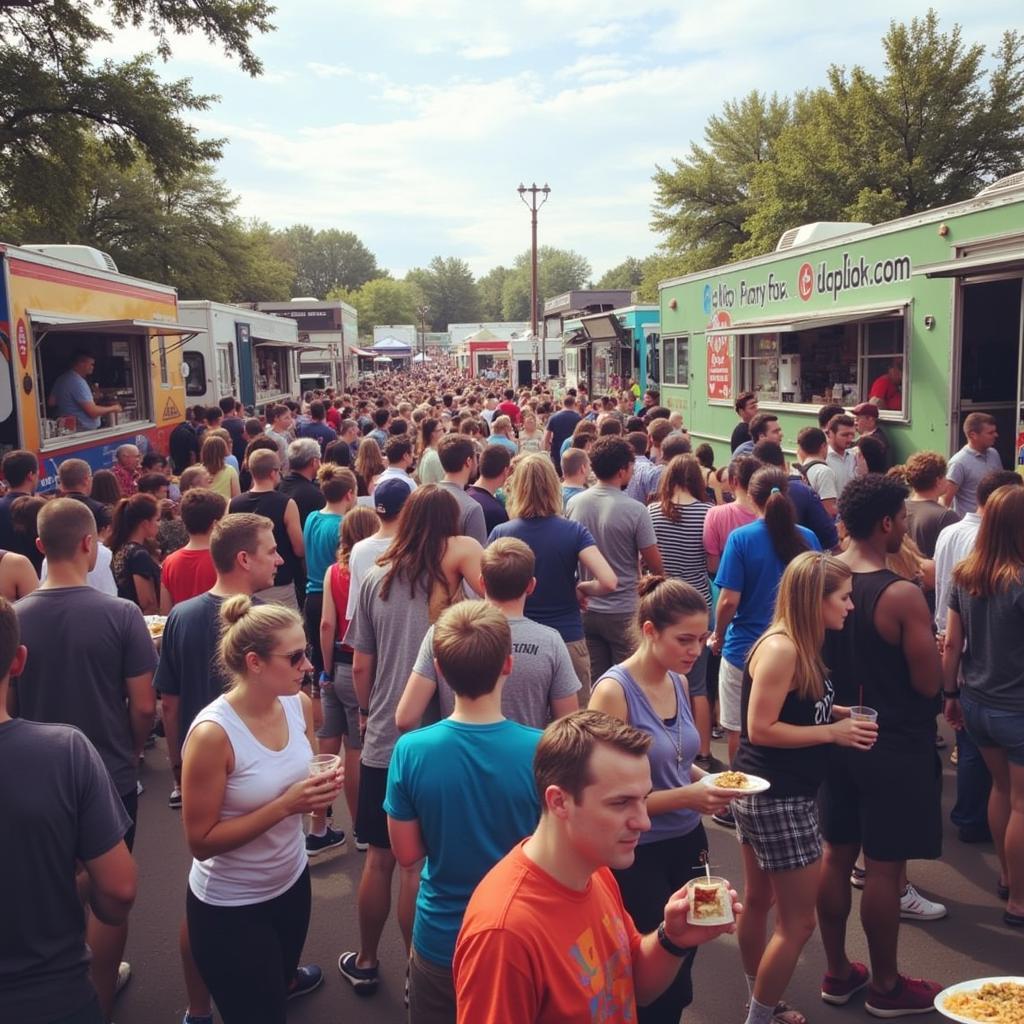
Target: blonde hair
column 472, row 639
column 248, row 628
column 809, row 578
column 501, row 425
column 533, row 489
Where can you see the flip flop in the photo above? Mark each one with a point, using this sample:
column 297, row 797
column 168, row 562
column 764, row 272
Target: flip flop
column 785, row 1014
column 1013, row 920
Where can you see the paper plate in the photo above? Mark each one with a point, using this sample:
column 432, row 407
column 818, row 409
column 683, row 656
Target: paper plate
column 756, row 785
column 968, row 986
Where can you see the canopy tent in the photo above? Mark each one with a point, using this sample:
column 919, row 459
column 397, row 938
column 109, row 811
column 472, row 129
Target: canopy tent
column 392, row 346
column 420, row 357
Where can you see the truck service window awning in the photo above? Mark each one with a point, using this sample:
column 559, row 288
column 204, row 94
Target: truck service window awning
column 810, row 322
column 364, row 352
column 1002, row 261
column 604, row 327
column 574, row 339
column 274, row 343
column 45, row 323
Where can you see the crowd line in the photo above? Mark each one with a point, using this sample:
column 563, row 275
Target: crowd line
column 498, row 629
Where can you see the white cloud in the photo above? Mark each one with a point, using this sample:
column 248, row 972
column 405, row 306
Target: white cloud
column 595, row 35
column 485, row 51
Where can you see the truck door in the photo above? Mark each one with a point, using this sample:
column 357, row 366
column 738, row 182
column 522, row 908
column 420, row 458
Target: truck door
column 246, row 380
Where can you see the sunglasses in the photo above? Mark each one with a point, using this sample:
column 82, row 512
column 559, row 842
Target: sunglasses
column 295, row 658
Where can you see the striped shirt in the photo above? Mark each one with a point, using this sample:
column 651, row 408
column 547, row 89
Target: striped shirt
column 681, row 543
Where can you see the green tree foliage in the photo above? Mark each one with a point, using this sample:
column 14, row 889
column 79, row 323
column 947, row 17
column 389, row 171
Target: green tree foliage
column 490, row 289
column 932, row 129
column 50, row 90
column 326, row 260
column 448, row 288
column 382, row 301
column 628, row 274
column 558, row 270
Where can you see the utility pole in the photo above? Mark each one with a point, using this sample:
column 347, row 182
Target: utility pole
column 534, row 190
column 423, row 311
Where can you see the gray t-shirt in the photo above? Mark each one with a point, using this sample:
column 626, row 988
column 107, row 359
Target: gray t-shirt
column 82, row 646
column 993, row 661
column 361, row 559
column 541, row 672
column 621, row 527
column 59, row 806
column 966, row 470
column 471, row 514
column 392, row 630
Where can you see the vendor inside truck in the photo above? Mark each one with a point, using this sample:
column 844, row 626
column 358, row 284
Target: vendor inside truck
column 72, row 394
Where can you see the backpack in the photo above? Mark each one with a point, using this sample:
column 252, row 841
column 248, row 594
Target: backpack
column 804, row 467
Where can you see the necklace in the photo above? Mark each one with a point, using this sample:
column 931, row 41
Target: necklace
column 677, row 739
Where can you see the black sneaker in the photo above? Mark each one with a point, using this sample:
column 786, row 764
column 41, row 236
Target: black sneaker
column 174, row 800
column 724, row 818
column 315, row 845
column 306, row 980
column 717, row 732
column 363, row 979
column 710, row 763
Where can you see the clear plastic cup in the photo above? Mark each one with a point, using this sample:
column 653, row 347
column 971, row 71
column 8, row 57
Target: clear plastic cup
column 320, row 764
column 863, row 714
column 709, row 913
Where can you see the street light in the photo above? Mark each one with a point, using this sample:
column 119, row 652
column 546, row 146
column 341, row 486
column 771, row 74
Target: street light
column 423, row 311
column 534, row 190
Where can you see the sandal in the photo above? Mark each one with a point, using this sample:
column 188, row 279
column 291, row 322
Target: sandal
column 785, row 1014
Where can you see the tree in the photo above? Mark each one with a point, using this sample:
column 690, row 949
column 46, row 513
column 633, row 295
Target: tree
column 490, row 289
column 558, row 270
column 448, row 288
column 50, row 90
column 325, row 260
column 702, row 203
column 382, row 301
column 628, row 274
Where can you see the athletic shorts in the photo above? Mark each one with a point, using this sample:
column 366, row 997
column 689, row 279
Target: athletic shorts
column 730, row 692
column 131, row 805
column 888, row 801
column 783, row 832
column 371, row 821
column 340, row 709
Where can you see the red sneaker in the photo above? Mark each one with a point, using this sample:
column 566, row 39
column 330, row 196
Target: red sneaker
column 839, row 991
column 911, row 995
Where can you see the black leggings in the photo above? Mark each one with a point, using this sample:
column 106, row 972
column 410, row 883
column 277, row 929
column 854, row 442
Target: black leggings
column 248, row 955
column 660, row 868
column 311, row 611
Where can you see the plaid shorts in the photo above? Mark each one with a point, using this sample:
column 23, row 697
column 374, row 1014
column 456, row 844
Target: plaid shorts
column 782, row 831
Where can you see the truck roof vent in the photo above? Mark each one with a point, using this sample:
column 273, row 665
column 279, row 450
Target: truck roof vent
column 84, row 255
column 1011, row 181
column 817, row 232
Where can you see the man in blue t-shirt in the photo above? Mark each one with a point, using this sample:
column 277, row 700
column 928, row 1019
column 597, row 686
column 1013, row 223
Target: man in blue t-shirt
column 317, row 428
column 460, row 793
column 72, row 396
column 560, row 427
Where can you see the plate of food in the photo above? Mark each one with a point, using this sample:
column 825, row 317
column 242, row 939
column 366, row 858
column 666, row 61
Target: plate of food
column 710, row 903
column 983, row 1001
column 737, row 782
column 155, row 624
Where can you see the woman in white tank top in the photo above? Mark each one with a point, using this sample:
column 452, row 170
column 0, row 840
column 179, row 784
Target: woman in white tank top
column 245, row 787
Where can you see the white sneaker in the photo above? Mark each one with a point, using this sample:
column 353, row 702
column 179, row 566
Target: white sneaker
column 124, row 974
column 915, row 907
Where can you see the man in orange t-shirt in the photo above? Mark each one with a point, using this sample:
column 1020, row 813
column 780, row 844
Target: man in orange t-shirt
column 545, row 938
column 189, row 572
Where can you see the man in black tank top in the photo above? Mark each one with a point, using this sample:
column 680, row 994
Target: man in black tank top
column 886, row 801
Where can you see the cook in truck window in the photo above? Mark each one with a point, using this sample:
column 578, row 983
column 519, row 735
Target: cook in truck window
column 72, row 395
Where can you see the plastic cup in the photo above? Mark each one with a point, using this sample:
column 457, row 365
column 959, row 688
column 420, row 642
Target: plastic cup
column 320, row 764
column 722, row 912
column 863, row 714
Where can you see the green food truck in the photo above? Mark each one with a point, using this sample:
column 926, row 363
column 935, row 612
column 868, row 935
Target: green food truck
column 923, row 314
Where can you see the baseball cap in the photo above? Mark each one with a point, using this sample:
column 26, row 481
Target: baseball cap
column 389, row 497
column 866, row 409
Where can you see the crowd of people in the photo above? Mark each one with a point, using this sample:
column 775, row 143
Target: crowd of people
column 499, row 631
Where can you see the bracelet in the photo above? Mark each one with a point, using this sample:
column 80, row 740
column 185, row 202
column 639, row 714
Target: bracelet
column 669, row 946
column 951, row 695
column 365, row 712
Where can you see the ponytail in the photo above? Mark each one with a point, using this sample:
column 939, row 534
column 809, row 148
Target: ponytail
column 768, row 490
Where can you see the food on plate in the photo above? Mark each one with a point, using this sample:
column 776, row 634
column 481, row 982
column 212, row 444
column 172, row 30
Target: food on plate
column 156, row 627
column 733, row 780
column 708, row 900
column 1001, row 1003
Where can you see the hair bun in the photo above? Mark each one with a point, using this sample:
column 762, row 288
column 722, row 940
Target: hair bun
column 649, row 583
column 235, row 608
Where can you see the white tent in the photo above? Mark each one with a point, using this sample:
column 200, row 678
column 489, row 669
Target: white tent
column 383, row 359
column 421, row 358
column 392, row 346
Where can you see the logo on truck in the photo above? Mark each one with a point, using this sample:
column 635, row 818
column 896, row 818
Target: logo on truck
column 851, row 274
column 22, row 337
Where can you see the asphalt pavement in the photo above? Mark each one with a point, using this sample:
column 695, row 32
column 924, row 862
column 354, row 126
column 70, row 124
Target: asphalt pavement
column 972, row 942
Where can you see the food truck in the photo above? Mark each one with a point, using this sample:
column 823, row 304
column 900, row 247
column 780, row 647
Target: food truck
column 923, row 312
column 63, row 307
column 250, row 355
column 613, row 346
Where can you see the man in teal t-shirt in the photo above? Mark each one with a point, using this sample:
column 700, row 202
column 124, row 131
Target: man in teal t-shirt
column 460, row 793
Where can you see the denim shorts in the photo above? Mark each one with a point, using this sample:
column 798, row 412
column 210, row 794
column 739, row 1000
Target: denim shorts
column 992, row 727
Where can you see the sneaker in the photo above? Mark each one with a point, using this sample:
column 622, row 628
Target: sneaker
column 710, row 763
column 360, row 845
column 857, row 877
column 174, row 800
column 940, row 741
column 407, row 988
column 839, row 991
column 363, row 979
column 914, row 907
column 191, row 1018
column 307, row 978
column 139, row 788
column 911, row 995
column 124, row 975
column 724, row 818
column 717, row 732
column 315, row 845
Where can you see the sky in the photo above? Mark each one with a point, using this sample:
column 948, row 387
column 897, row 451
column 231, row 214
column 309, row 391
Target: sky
column 412, row 123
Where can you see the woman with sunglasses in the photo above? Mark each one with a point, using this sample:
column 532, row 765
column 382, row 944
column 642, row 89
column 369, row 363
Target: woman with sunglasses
column 246, row 783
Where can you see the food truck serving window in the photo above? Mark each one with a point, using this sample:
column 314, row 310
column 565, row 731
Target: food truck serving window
column 675, row 361
column 843, row 361
column 271, row 371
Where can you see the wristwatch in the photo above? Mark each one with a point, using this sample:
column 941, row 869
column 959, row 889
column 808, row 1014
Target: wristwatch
column 669, row 946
